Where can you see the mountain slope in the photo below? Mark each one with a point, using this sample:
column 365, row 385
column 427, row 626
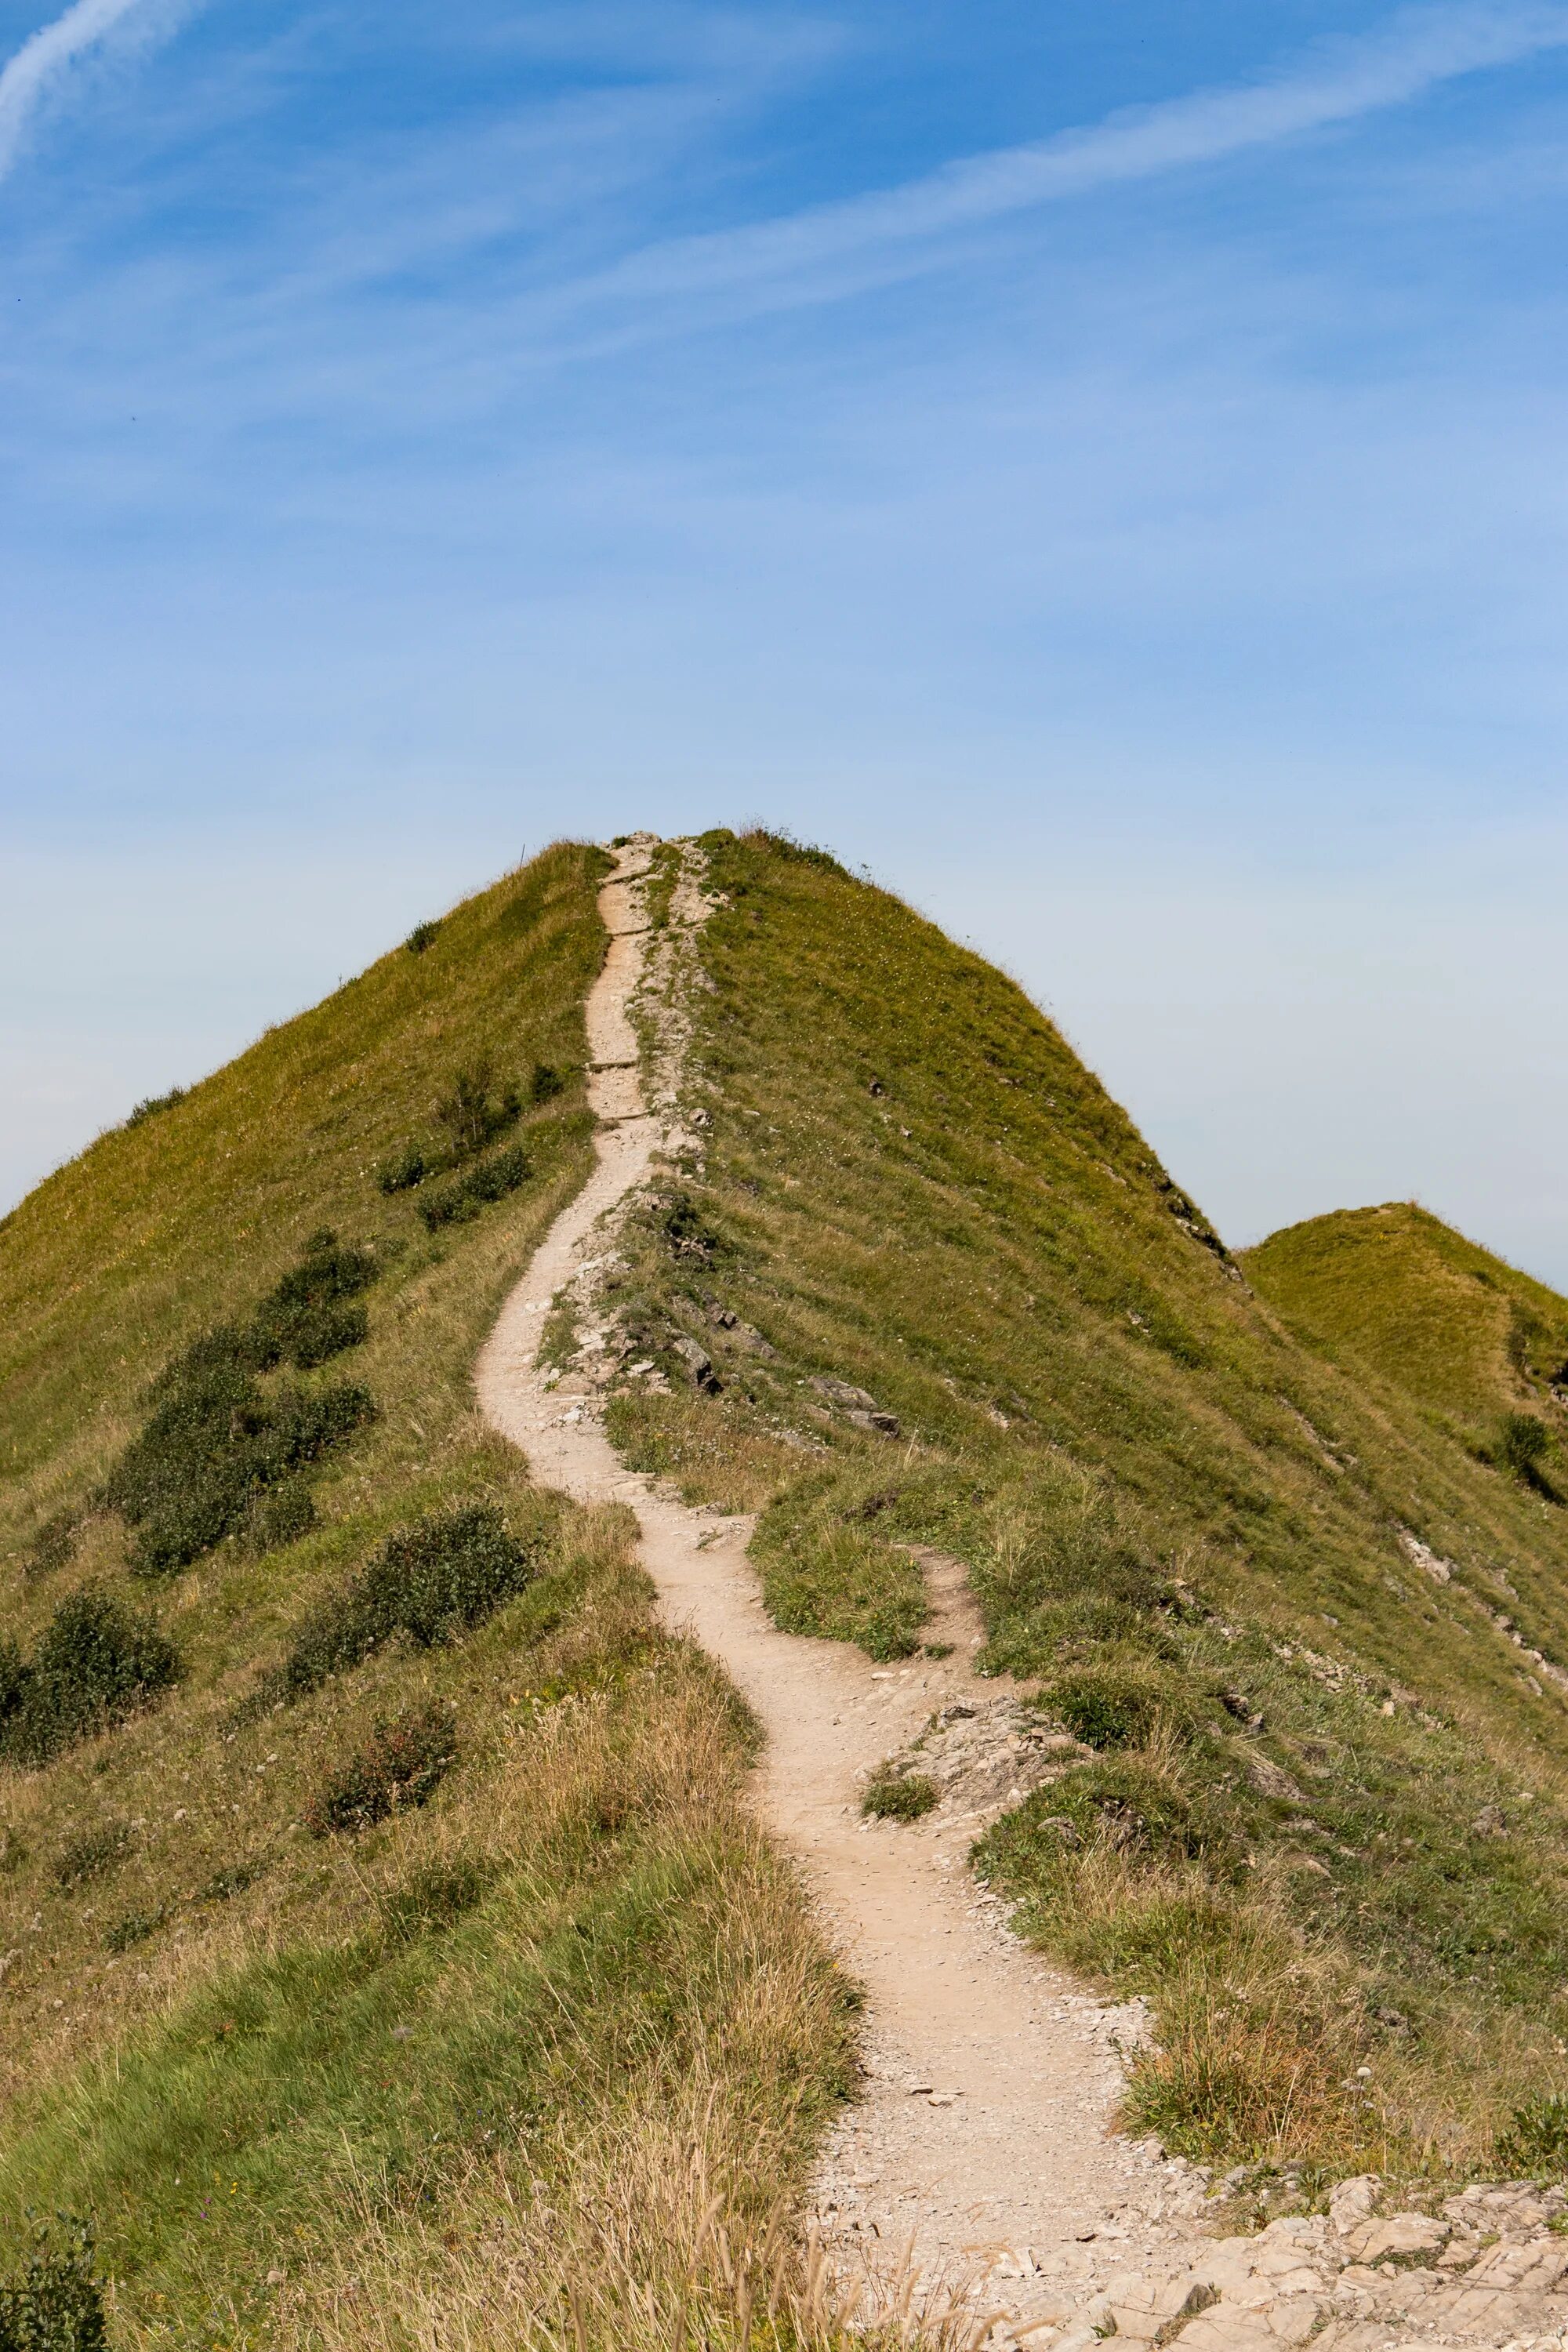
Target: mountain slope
column 1263, row 1586
column 254, row 2026
column 1394, row 1292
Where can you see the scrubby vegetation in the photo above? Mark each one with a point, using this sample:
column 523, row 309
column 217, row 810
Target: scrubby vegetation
column 95, row 1664
column 55, row 2304
column 402, row 1762
column 1312, row 1638
column 899, row 1796
column 244, row 2050
column 429, row 1581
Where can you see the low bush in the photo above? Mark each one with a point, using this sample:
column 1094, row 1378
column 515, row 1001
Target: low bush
column 429, row 1581
column 1522, row 1444
column 409, row 1168
column 545, row 1083
column 309, row 1314
column 94, row 1665
column 894, row 1796
column 56, row 2304
column 93, row 1854
column 151, row 1104
column 422, row 936
column 474, row 1113
column 226, row 1883
column 492, row 1180
column 278, row 1515
column 52, row 1546
column 433, row 1898
column 402, row 1762
column 1535, row 2140
column 134, row 1929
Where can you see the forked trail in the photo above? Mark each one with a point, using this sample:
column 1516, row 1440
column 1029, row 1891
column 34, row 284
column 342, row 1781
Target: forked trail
column 983, row 2136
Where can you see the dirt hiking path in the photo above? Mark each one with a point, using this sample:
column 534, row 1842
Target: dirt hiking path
column 981, row 2138
column 982, row 2142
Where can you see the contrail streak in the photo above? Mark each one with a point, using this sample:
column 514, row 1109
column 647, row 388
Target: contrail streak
column 26, row 79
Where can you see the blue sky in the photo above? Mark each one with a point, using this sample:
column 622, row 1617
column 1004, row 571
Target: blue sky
column 1101, row 468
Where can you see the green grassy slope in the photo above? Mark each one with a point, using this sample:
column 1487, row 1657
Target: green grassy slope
column 1323, row 1827
column 1394, row 1292
column 249, row 2052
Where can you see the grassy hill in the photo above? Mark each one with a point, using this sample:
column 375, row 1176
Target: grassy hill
column 382, row 1930
column 1394, row 1292
column 1320, row 1649
column 357, row 1827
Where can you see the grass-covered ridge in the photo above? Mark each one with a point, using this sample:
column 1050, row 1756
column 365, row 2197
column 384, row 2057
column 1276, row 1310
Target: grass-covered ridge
column 1313, row 1642
column 413, row 1872
column 1394, row 1292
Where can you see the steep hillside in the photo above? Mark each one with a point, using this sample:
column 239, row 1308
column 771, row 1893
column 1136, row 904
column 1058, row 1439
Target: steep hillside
column 356, row 1825
column 1319, row 1650
column 1394, row 1292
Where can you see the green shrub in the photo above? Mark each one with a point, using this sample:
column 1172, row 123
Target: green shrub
column 545, row 1083
column 278, row 1515
column 216, row 1439
column 429, row 1581
column 402, row 1762
column 432, row 1898
column 894, row 1796
column 94, row 1665
column 1535, row 2140
column 93, row 1853
column 55, row 2304
column 492, row 1180
column 52, row 1546
column 422, row 936
column 1522, row 1443
column 473, row 1114
column 1108, row 1707
column 402, row 1174
column 134, row 1929
column 152, row 1104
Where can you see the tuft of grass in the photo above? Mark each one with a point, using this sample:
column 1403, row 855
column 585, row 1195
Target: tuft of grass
column 894, row 1796
column 1534, row 2141
column 1521, row 1446
column 92, row 1853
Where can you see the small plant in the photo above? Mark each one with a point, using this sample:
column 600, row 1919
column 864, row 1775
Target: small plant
column 433, row 1898
column 545, row 1083
column 94, row 1665
column 55, row 2304
column 492, row 1180
column 226, row 1883
column 93, row 1854
column 410, row 1167
column 154, row 1104
column 430, row 1582
column 134, row 1929
column 422, row 936
column 1106, row 1707
column 894, row 1796
column 309, row 1314
column 472, row 1114
column 1522, row 1443
column 52, row 1546
column 1535, row 2140
column 402, row 1762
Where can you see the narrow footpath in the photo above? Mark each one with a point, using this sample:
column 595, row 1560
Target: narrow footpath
column 982, row 2143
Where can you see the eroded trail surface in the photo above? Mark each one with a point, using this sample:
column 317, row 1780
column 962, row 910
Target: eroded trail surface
column 983, row 2139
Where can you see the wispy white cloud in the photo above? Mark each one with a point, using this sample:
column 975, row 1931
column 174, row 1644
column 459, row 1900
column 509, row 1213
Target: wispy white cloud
column 30, row 78
column 1417, row 51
